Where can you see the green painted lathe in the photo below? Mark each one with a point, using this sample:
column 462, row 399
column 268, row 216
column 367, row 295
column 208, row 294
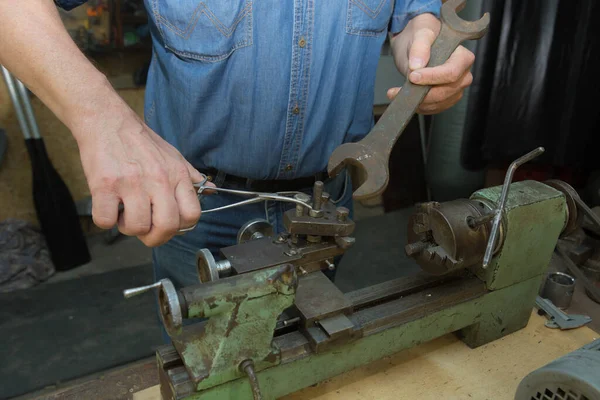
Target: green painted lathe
column 273, row 323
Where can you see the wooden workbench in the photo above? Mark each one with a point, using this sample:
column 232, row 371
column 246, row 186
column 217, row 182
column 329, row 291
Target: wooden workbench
column 447, row 369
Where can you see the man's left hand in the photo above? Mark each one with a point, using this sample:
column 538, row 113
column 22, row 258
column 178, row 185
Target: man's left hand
column 411, row 49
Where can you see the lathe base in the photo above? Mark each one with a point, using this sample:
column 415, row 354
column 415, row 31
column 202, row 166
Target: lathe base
column 404, row 319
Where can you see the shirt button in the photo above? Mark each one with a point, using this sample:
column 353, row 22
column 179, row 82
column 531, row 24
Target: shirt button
column 289, row 167
column 296, row 110
column 302, row 42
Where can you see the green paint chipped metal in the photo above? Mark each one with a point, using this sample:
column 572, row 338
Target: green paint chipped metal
column 478, row 321
column 534, row 217
column 242, row 317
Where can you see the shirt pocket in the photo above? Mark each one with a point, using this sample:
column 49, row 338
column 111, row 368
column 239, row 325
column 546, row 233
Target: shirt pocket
column 368, row 17
column 208, row 31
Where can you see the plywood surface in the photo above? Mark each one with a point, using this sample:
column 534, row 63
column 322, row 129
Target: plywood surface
column 447, row 369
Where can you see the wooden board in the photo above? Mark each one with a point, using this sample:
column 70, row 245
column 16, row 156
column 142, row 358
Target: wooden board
column 447, row 369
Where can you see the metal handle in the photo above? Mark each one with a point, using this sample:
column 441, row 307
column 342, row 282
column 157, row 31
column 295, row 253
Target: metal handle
column 169, row 306
column 127, row 293
column 502, row 203
column 255, row 197
column 247, row 366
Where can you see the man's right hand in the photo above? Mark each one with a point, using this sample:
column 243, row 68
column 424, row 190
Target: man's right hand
column 126, row 162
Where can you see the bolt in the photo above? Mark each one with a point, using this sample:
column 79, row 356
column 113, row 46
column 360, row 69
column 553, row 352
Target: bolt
column 342, row 213
column 317, row 195
column 302, row 271
column 330, row 265
column 315, row 213
column 325, row 198
column 300, row 209
column 412, row 249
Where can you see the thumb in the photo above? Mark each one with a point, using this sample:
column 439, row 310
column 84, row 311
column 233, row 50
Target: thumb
column 198, row 177
column 418, row 55
column 195, row 175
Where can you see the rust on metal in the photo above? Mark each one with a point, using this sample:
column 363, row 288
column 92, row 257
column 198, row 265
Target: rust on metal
column 441, row 239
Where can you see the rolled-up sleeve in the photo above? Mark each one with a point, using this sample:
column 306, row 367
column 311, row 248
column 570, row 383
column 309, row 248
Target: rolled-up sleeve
column 69, row 4
column 405, row 10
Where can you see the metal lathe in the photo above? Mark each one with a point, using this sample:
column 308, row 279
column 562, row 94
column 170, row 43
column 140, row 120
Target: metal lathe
column 270, row 322
column 267, row 321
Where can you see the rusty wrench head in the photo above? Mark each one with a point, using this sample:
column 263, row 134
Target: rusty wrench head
column 371, row 154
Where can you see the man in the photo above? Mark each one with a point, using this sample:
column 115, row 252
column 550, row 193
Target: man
column 254, row 94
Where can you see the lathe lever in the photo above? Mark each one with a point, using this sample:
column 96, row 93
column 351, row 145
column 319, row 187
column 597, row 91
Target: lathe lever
column 502, row 203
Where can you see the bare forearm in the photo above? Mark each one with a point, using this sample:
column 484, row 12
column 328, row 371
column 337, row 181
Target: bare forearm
column 38, row 50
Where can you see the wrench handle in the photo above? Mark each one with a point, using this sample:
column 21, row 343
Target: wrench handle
column 391, row 124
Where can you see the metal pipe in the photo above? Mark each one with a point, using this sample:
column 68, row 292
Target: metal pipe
column 502, row 203
column 35, row 130
column 14, row 96
column 559, row 288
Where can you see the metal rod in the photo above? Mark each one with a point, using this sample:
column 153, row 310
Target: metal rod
column 317, row 195
column 292, row 321
column 238, row 204
column 14, row 96
column 502, row 203
column 588, row 211
column 127, row 293
column 248, row 367
column 474, row 222
column 258, row 197
column 23, row 91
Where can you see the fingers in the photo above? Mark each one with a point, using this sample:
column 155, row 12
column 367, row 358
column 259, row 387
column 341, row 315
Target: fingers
column 105, row 209
column 435, row 108
column 393, row 92
column 440, row 93
column 136, row 218
column 165, row 219
column 195, row 176
column 418, row 55
column 451, row 71
column 189, row 206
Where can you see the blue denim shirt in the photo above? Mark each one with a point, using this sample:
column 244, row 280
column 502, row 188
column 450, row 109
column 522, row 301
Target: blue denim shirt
column 266, row 89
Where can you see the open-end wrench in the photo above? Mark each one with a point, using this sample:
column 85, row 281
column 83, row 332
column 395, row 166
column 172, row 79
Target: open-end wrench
column 372, row 153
